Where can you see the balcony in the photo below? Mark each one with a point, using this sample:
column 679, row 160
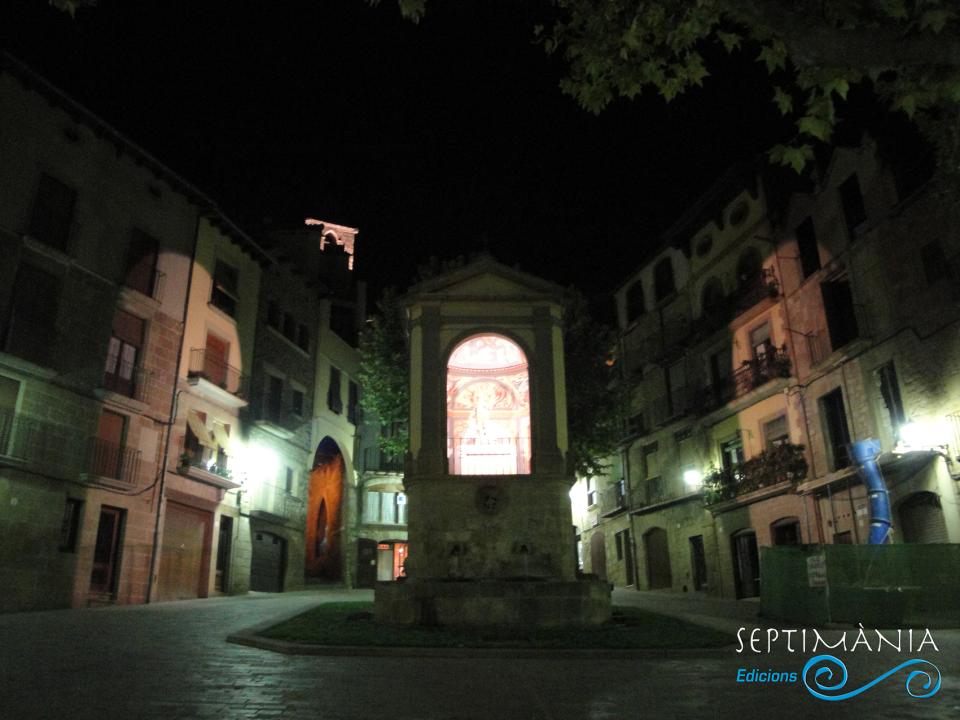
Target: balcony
column 715, row 395
column 206, row 466
column 613, row 499
column 754, row 373
column 129, row 380
column 778, row 464
column 214, row 370
column 57, row 449
column 114, row 462
column 754, row 289
column 375, row 460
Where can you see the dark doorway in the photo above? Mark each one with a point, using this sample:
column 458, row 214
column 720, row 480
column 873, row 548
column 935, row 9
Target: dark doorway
column 598, row 555
column 266, row 566
column 698, row 562
column 223, row 553
column 658, row 559
column 366, row 562
column 746, row 563
column 106, row 552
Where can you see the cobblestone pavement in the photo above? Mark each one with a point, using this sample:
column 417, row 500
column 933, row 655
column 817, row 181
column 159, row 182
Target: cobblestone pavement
column 170, row 661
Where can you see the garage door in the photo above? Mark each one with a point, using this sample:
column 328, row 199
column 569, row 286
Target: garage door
column 184, row 557
column 921, row 519
column 266, row 567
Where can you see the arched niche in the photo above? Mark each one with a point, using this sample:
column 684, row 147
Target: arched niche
column 488, row 407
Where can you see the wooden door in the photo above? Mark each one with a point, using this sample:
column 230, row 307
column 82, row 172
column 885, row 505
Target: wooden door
column 746, row 564
column 215, row 360
column 184, row 558
column 658, row 559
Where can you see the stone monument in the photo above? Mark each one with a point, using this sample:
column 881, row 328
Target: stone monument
column 490, row 534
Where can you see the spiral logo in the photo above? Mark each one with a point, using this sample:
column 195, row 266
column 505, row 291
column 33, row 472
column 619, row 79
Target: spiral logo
column 830, row 677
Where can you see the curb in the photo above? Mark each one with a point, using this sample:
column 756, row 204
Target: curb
column 251, row 639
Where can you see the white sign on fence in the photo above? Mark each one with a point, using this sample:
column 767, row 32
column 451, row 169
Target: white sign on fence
column 817, row 571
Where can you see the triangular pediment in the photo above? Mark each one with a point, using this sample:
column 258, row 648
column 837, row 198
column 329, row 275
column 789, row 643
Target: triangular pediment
column 485, row 277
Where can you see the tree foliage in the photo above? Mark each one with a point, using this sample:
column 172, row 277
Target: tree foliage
column 594, row 404
column 383, row 372
column 907, row 51
column 596, row 401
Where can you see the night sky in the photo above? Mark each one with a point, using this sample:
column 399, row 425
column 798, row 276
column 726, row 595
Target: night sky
column 434, row 139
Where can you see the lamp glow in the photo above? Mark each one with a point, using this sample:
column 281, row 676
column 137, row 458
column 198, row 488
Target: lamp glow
column 693, row 479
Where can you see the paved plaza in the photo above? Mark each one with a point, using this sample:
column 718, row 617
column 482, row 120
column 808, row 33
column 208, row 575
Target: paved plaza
column 171, row 661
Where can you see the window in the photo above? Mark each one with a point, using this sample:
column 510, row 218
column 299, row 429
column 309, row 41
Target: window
column 785, row 531
column 663, row 284
column 303, row 337
column 635, row 302
column 840, row 312
column 591, row 491
column 9, row 392
column 108, row 445
column 273, row 408
column 353, row 402
column 384, row 508
column 334, row 397
column 677, row 388
column 288, row 481
column 712, row 300
column 289, row 327
column 890, row 392
column 122, row 354
column 807, row 246
column 837, row 435
column 749, row 265
column 851, row 199
column 651, row 460
column 935, row 266
column 776, row 433
column 273, row 315
column 761, row 343
column 52, row 215
column 31, row 324
column 70, row 525
column 731, row 453
column 296, row 404
column 141, row 267
column 225, row 288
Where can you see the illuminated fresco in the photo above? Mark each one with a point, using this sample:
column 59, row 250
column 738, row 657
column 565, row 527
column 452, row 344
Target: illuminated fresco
column 488, row 408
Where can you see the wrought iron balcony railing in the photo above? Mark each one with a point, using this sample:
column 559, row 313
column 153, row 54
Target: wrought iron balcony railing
column 109, row 460
column 214, row 369
column 754, row 373
column 773, row 466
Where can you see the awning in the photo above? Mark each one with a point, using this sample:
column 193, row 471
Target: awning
column 897, row 469
column 221, row 435
column 199, row 430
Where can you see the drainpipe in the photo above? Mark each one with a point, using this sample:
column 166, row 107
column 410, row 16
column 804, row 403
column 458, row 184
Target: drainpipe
column 155, row 550
column 865, row 452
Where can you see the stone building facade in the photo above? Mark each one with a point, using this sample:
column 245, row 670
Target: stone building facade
column 147, row 450
column 769, row 332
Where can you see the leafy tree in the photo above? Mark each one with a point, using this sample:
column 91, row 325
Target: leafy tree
column 596, row 401
column 594, row 405
column 907, row 51
column 383, row 372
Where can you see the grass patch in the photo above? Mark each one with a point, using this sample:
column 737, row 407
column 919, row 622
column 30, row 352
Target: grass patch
column 352, row 623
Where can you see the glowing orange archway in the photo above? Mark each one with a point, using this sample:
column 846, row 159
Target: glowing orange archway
column 488, row 407
column 324, row 513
